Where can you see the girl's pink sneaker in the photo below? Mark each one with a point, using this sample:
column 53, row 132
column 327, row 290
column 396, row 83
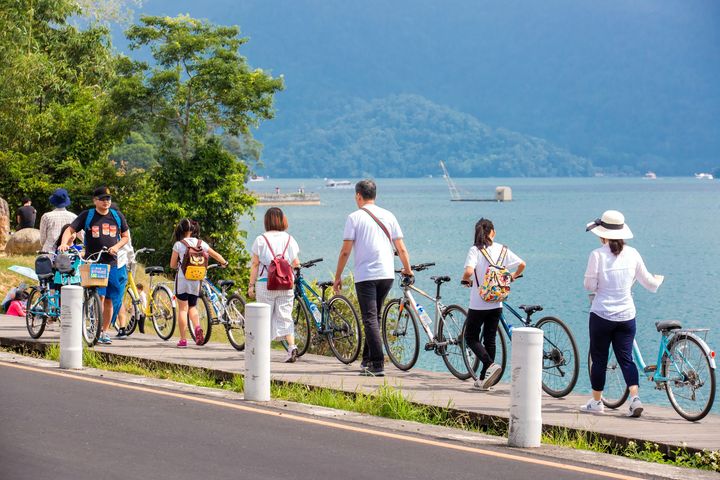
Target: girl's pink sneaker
column 182, row 343
column 199, row 335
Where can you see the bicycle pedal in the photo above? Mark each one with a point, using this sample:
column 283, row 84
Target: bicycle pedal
column 650, row 369
column 429, row 346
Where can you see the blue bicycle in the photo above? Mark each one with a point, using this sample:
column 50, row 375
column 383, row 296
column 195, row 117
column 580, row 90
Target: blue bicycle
column 336, row 319
column 685, row 369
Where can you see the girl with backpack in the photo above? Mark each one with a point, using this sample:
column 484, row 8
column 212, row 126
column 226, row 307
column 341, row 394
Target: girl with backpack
column 189, row 252
column 484, row 314
column 272, row 254
column 611, row 272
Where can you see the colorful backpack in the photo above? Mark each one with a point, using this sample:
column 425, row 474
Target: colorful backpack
column 280, row 274
column 496, row 282
column 195, row 261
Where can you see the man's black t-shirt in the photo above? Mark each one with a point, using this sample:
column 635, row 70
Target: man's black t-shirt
column 27, row 216
column 103, row 233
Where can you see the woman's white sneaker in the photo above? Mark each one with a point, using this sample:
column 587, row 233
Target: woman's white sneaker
column 593, row 406
column 636, row 408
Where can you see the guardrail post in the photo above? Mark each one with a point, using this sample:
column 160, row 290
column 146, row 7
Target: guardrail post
column 526, row 387
column 71, row 324
column 257, row 352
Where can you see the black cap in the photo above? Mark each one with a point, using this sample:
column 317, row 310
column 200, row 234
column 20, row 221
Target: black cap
column 101, row 192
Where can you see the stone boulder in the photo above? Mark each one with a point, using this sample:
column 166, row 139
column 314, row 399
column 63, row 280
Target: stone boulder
column 4, row 223
column 24, row 242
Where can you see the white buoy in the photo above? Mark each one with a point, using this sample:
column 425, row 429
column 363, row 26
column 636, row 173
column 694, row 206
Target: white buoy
column 503, row 194
column 71, row 324
column 526, row 388
column 257, row 352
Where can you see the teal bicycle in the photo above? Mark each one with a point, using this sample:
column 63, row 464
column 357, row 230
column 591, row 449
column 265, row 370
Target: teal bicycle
column 685, row 369
column 335, row 319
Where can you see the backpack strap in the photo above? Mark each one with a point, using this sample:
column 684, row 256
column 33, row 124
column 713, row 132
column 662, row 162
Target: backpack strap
column 286, row 245
column 91, row 215
column 382, row 226
column 487, row 256
column 501, row 257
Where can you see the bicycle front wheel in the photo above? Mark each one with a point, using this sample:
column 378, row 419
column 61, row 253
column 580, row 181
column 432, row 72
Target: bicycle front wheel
column 560, row 357
column 472, row 362
column 131, row 311
column 400, row 334
column 616, row 391
column 450, row 333
column 345, row 336
column 36, row 312
column 301, row 323
column 204, row 319
column 163, row 312
column 235, row 326
column 690, row 378
column 92, row 317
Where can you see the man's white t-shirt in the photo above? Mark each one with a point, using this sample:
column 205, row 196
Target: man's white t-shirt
column 278, row 240
column 476, row 260
column 372, row 250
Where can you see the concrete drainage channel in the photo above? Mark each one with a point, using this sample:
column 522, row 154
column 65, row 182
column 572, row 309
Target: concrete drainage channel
column 491, row 422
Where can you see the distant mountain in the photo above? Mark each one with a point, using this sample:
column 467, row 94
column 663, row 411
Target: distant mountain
column 406, row 136
column 632, row 86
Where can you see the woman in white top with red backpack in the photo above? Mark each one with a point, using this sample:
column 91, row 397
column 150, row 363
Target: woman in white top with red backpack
column 187, row 234
column 275, row 242
column 484, row 316
column 611, row 272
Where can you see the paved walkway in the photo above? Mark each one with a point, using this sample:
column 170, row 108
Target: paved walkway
column 658, row 424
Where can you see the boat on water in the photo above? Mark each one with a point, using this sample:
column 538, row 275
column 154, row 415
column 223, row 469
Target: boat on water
column 256, row 178
column 330, row 183
column 704, row 176
column 650, row 176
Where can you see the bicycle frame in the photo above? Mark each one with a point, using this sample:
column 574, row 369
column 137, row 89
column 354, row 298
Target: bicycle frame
column 206, row 287
column 301, row 289
column 663, row 349
column 504, row 323
column 407, row 294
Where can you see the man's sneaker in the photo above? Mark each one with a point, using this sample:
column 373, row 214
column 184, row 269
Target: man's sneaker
column 372, row 372
column 104, row 339
column 480, row 385
column 292, row 355
column 121, row 334
column 636, row 408
column 182, row 343
column 199, row 337
column 593, row 406
column 492, row 375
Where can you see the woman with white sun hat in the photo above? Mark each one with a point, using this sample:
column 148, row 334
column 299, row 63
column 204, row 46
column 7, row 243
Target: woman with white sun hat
column 611, row 272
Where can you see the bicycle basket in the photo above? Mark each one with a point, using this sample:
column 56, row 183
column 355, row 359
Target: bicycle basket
column 43, row 267
column 64, row 263
column 94, row 274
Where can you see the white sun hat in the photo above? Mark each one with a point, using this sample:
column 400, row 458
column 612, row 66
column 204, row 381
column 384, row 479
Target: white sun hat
column 611, row 226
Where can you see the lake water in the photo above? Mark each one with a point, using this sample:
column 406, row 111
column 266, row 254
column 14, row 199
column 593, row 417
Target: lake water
column 674, row 220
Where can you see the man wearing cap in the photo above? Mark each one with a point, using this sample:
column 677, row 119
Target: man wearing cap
column 26, row 214
column 51, row 223
column 104, row 227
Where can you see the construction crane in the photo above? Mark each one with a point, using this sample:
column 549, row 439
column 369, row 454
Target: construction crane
column 454, row 193
column 502, row 194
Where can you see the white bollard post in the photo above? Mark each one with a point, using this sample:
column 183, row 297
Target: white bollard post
column 257, row 352
column 526, row 387
column 71, row 324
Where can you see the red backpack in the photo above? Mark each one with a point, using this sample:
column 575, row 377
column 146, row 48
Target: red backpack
column 280, row 274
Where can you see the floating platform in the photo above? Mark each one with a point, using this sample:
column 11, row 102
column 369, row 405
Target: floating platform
column 280, row 199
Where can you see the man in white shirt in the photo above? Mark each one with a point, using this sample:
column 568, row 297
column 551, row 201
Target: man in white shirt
column 375, row 235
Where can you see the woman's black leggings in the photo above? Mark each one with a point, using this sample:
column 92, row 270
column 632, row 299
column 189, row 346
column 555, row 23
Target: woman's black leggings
column 619, row 335
column 485, row 321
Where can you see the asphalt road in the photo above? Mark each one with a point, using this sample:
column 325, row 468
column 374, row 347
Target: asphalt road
column 66, row 427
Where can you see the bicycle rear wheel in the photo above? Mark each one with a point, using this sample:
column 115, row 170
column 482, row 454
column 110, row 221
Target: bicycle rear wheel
column 204, row 319
column 36, row 312
column 400, row 334
column 472, row 362
column 560, row 357
column 345, row 336
column 132, row 312
column 450, row 331
column 163, row 312
column 235, row 326
column 690, row 382
column 615, row 392
column 92, row 316
column 301, row 322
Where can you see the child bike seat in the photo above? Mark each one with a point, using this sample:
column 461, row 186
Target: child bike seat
column 154, row 270
column 226, row 283
column 667, row 325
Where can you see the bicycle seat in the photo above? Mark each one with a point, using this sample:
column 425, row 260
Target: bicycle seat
column 226, row 283
column 667, row 325
column 154, row 270
column 530, row 309
column 440, row 280
column 325, row 284
column 45, row 276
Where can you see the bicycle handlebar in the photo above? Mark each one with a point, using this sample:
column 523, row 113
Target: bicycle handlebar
column 310, row 263
column 95, row 257
column 144, row 250
column 419, row 267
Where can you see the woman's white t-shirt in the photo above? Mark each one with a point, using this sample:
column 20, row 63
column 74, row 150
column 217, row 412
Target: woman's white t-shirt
column 611, row 277
column 182, row 284
column 476, row 260
column 278, row 240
